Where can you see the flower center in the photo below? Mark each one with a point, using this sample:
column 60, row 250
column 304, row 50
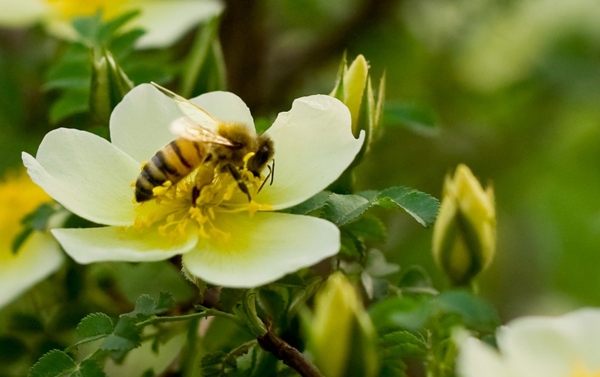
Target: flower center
column 19, row 196
column 195, row 203
column 73, row 8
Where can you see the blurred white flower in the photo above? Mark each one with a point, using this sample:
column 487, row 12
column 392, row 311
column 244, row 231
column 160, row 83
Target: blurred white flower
column 164, row 21
column 224, row 239
column 39, row 255
column 565, row 346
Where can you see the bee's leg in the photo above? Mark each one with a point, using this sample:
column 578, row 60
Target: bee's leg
column 195, row 195
column 238, row 178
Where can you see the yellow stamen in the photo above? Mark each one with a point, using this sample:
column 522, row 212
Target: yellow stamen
column 196, row 203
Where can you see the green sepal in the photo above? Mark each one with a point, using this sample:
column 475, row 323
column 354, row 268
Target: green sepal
column 204, row 62
column 108, row 86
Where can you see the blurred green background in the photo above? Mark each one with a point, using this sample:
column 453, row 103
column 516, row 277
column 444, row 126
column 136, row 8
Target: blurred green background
column 514, row 88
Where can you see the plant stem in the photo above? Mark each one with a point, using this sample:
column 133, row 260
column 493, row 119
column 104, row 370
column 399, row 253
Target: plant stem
column 288, row 354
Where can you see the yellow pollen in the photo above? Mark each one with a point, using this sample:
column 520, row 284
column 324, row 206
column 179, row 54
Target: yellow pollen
column 68, row 9
column 19, row 196
column 196, row 203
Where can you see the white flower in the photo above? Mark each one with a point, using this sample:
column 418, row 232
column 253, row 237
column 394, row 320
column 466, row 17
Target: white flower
column 165, row 21
column 565, row 346
column 229, row 241
column 39, row 256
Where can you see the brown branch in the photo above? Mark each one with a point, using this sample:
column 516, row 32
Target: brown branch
column 263, row 76
column 288, row 354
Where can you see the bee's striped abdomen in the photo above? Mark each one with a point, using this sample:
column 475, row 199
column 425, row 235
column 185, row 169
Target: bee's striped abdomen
column 172, row 163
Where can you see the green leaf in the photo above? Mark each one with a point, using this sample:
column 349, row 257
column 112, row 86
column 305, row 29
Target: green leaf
column 53, row 364
column 310, row 205
column 72, row 74
column 415, row 276
column 125, row 337
column 421, row 206
column 106, row 31
column 402, row 343
column 351, row 246
column 89, row 368
column 368, row 228
column 341, row 209
column 87, row 27
column 71, row 102
column 417, row 117
column 94, row 326
column 123, row 44
column 144, row 308
column 405, row 311
column 165, row 303
column 38, row 219
column 476, row 313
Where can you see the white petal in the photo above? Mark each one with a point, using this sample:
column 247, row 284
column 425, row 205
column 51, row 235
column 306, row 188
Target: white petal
column 116, row 244
column 313, row 146
column 583, row 327
column 536, row 347
column 21, row 13
column 139, row 124
column 226, row 107
column 477, row 359
column 262, row 249
column 38, row 257
column 86, row 174
column 166, row 21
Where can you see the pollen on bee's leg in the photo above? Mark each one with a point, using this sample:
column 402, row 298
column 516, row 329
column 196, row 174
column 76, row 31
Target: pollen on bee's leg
column 161, row 190
column 247, row 157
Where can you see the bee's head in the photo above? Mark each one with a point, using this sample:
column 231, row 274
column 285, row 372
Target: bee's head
column 264, row 154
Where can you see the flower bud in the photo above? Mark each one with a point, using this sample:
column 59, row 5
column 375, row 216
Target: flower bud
column 464, row 234
column 354, row 89
column 341, row 335
column 109, row 85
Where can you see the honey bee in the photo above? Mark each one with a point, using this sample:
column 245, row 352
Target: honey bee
column 203, row 141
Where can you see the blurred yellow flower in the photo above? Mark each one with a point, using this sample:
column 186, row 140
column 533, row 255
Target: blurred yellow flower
column 164, row 21
column 39, row 256
column 464, row 234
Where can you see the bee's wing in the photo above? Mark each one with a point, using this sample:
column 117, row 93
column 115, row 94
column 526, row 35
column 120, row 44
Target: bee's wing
column 197, row 124
column 187, row 128
column 197, row 114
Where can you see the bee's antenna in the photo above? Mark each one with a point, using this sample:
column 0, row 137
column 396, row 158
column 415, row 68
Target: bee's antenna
column 271, row 175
